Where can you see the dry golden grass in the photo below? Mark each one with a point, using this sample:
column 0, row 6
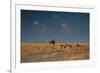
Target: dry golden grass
column 42, row 52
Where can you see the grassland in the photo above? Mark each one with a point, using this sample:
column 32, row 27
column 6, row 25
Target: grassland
column 42, row 52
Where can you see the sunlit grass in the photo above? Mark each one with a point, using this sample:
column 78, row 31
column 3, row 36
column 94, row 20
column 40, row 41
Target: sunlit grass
column 42, row 52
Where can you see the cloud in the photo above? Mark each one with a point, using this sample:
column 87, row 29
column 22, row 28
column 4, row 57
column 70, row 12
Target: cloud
column 37, row 26
column 55, row 16
column 44, row 28
column 66, row 26
column 36, row 23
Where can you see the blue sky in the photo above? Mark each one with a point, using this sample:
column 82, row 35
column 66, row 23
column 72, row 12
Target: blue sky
column 39, row 26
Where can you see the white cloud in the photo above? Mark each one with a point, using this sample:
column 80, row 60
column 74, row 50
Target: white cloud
column 36, row 23
column 44, row 26
column 65, row 26
column 55, row 16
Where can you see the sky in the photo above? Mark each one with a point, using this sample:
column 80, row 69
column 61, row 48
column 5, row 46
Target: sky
column 39, row 26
